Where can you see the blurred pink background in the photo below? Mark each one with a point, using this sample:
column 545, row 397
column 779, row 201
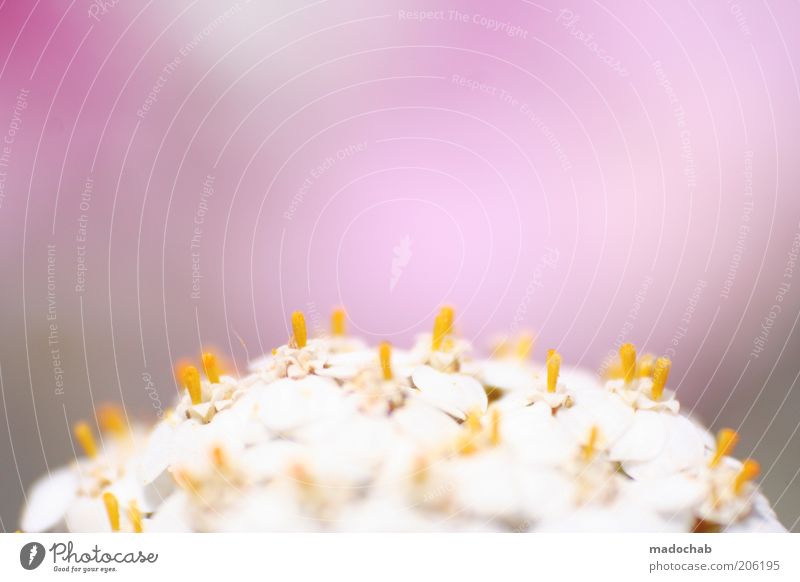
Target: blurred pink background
column 184, row 174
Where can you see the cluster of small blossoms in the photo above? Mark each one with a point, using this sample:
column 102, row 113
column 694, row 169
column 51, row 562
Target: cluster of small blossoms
column 328, row 434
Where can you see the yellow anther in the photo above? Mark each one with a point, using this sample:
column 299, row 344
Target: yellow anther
column 660, row 375
column 111, row 419
column 191, row 379
column 420, row 471
column 385, row 354
column 524, row 346
column 112, row 509
column 473, row 421
column 646, row 366
column 590, row 448
column 85, row 437
column 726, row 441
column 749, row 471
column 439, row 327
column 553, row 369
column 211, row 367
column 627, row 355
column 135, row 516
column 449, row 317
column 338, row 320
column 500, row 348
column 218, row 457
column 494, row 427
column 299, row 333
column 465, row 443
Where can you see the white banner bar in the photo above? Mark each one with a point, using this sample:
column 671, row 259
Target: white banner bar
column 401, row 557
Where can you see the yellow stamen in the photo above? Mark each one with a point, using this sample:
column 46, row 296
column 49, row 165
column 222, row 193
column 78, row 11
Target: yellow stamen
column 726, row 441
column 439, row 331
column 385, row 353
column 473, row 421
column 646, row 366
column 749, row 471
column 590, row 448
column 660, row 375
column 500, row 348
column 627, row 355
column 494, row 427
column 112, row 509
column 524, row 346
column 135, row 516
column 112, row 420
column 338, row 318
column 84, row 436
column 218, row 456
column 211, row 367
column 465, row 443
column 553, row 368
column 449, row 316
column 299, row 333
column 191, row 379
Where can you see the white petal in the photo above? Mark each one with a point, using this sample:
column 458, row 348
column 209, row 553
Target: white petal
column 644, row 439
column 456, row 394
column 49, row 499
column 684, row 449
column 155, row 458
column 288, row 404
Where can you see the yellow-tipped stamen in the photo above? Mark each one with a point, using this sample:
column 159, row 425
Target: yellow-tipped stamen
column 218, row 457
column 191, row 379
column 726, row 441
column 112, row 509
column 553, row 368
column 660, row 375
column 627, row 355
column 524, row 346
column 473, row 421
column 385, row 353
column 449, row 317
column 590, row 448
column 135, row 516
column 500, row 348
column 211, row 367
column 299, row 333
column 112, row 420
column 338, row 319
column 646, row 366
column 494, row 427
column 439, row 332
column 749, row 471
column 85, row 437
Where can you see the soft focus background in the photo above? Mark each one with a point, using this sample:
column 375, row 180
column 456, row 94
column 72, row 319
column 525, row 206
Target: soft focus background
column 177, row 175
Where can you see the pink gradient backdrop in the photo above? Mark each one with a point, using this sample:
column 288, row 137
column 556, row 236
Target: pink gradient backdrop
column 579, row 171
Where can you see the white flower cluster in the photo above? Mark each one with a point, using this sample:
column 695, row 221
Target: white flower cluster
column 327, row 434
